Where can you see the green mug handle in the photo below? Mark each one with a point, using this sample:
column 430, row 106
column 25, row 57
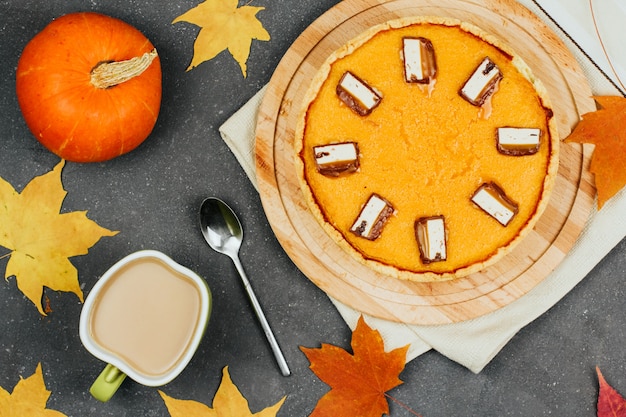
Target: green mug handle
column 107, row 383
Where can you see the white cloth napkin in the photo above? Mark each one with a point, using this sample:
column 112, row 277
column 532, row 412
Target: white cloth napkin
column 473, row 343
column 577, row 19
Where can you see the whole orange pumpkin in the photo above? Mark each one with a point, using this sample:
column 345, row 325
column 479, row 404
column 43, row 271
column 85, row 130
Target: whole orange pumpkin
column 89, row 87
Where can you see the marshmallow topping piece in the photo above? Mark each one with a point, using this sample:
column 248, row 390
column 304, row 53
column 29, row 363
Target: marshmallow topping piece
column 518, row 141
column 420, row 65
column 372, row 218
column 430, row 233
column 357, row 95
column 493, row 201
column 482, row 83
column 337, row 158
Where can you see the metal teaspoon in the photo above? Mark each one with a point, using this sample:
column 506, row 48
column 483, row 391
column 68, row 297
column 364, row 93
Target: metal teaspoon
column 223, row 232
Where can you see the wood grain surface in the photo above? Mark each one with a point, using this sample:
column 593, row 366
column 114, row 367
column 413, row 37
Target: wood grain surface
column 338, row 273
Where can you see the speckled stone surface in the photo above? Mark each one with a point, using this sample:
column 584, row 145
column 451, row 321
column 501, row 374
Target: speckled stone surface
column 152, row 196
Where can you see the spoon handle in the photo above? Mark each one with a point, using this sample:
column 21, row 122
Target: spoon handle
column 278, row 354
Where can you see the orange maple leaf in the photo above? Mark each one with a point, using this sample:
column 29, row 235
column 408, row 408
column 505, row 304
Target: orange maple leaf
column 610, row 402
column 606, row 129
column 358, row 381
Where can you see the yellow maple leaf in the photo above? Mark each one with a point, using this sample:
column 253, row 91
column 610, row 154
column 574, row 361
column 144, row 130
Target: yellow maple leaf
column 228, row 402
column 29, row 398
column 224, row 26
column 41, row 238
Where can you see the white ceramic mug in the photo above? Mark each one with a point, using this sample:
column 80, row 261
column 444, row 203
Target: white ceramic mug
column 145, row 318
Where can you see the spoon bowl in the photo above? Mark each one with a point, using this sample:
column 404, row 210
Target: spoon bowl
column 220, row 226
column 223, row 232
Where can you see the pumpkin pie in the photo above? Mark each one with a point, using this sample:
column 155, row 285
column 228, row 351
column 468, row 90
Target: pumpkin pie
column 426, row 148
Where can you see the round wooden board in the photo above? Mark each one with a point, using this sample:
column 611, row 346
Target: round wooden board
column 338, row 273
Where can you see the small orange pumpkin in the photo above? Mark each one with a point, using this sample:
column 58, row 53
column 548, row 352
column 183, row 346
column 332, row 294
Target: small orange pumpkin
column 89, row 87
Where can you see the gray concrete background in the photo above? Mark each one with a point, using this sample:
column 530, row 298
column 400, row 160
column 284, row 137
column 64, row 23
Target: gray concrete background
column 152, row 197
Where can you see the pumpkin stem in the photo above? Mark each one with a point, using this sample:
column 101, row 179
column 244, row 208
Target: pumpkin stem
column 110, row 74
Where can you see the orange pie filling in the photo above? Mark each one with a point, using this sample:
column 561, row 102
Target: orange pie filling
column 426, row 148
